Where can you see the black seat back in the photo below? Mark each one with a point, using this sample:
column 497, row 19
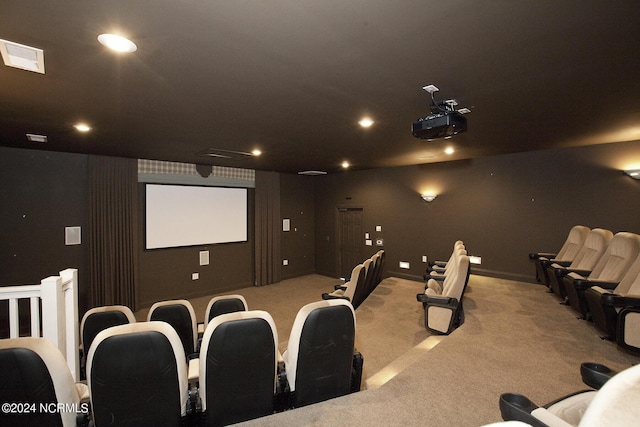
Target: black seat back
column 237, row 381
column 26, row 380
column 134, row 377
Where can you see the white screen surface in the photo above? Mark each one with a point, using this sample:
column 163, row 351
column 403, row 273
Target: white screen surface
column 181, row 215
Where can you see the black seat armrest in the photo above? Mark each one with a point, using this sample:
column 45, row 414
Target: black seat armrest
column 586, row 283
column 581, row 272
column 595, row 374
column 615, row 300
column 537, row 255
column 437, row 300
column 561, row 262
column 516, row 407
column 326, row 296
column 603, row 284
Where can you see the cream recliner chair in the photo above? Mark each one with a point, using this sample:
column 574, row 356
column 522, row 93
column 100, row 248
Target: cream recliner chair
column 348, row 290
column 628, row 329
column 320, row 353
column 181, row 316
column 588, row 256
column 98, row 319
column 437, row 269
column 622, row 251
column 443, row 310
column 606, row 299
column 564, row 256
column 35, row 372
column 137, row 375
column 615, row 404
column 238, row 367
column 224, row 304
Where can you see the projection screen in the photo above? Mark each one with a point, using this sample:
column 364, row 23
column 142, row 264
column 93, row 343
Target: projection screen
column 184, row 215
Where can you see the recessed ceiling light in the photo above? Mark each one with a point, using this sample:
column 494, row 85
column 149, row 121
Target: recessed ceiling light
column 345, row 164
column 449, row 150
column 117, row 43
column 82, row 127
column 366, row 122
column 256, row 152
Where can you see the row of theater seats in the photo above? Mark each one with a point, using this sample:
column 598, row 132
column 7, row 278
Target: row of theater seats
column 611, row 401
column 597, row 273
column 443, row 293
column 142, row 374
column 364, row 279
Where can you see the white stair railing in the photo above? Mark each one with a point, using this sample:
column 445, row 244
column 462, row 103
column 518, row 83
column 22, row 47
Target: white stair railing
column 58, row 296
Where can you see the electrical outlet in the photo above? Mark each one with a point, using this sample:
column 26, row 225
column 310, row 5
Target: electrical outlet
column 195, row 276
column 285, row 262
column 424, row 258
column 404, row 264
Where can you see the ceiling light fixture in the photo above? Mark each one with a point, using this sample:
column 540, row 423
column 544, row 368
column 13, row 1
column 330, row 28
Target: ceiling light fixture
column 633, row 173
column 449, row 150
column 82, row 127
column 21, row 56
column 345, row 165
column 256, row 152
column 117, row 43
column 366, row 122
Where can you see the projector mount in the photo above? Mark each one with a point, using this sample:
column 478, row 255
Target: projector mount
column 444, row 122
column 446, row 106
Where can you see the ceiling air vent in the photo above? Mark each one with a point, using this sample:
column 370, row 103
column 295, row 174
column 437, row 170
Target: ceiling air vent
column 312, row 173
column 21, row 56
column 217, row 153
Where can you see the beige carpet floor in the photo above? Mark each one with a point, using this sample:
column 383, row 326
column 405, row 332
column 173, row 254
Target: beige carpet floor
column 516, row 338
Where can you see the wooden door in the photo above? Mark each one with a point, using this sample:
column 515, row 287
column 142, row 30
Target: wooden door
column 351, row 239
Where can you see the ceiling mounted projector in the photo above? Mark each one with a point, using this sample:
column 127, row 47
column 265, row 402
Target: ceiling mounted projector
column 443, row 122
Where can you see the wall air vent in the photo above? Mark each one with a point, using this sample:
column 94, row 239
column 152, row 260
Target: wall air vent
column 34, row 137
column 21, row 56
column 216, row 153
column 312, row 173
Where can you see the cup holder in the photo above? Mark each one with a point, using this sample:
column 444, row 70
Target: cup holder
column 595, row 374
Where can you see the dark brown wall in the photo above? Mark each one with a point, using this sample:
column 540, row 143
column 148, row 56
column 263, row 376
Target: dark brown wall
column 166, row 273
column 503, row 207
column 298, row 205
column 41, row 193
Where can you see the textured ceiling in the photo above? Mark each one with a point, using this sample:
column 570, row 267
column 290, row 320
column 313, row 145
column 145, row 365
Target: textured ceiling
column 293, row 78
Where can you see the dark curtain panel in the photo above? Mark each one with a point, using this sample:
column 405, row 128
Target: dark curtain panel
column 268, row 228
column 113, row 231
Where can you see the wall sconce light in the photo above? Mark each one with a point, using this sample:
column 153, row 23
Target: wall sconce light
column 633, row 173
column 428, row 197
